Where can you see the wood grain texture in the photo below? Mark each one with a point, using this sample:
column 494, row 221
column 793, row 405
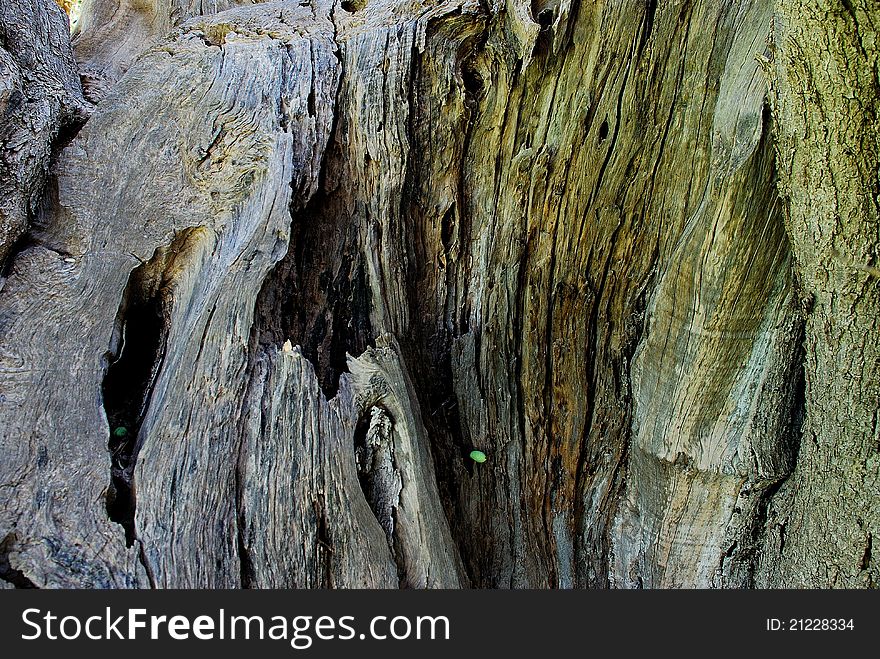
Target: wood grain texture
column 611, row 245
column 40, row 95
column 302, row 260
column 211, row 156
column 316, row 502
column 111, row 34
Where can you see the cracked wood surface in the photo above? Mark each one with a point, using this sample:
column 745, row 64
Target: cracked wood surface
column 306, row 258
column 40, row 95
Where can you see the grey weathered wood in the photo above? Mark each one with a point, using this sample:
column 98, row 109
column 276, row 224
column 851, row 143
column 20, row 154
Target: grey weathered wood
column 306, row 521
column 212, row 155
column 111, row 34
column 312, row 256
column 40, row 94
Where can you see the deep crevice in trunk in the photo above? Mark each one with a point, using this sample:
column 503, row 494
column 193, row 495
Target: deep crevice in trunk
column 377, row 469
column 380, row 477
column 324, row 544
column 134, row 360
column 317, row 296
column 428, row 346
column 247, row 573
column 23, row 243
column 7, row 572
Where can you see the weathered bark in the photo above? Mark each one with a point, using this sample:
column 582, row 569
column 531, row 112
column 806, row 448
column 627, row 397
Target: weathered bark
column 827, row 96
column 40, row 95
column 111, row 34
column 303, row 259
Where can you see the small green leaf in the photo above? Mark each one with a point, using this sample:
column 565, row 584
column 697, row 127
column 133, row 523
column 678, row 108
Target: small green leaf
column 121, row 431
column 478, row 456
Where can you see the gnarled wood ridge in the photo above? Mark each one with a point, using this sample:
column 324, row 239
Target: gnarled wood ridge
column 273, row 271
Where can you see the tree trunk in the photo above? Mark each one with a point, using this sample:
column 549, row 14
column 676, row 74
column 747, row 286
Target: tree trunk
column 40, row 96
column 304, row 258
column 824, row 519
